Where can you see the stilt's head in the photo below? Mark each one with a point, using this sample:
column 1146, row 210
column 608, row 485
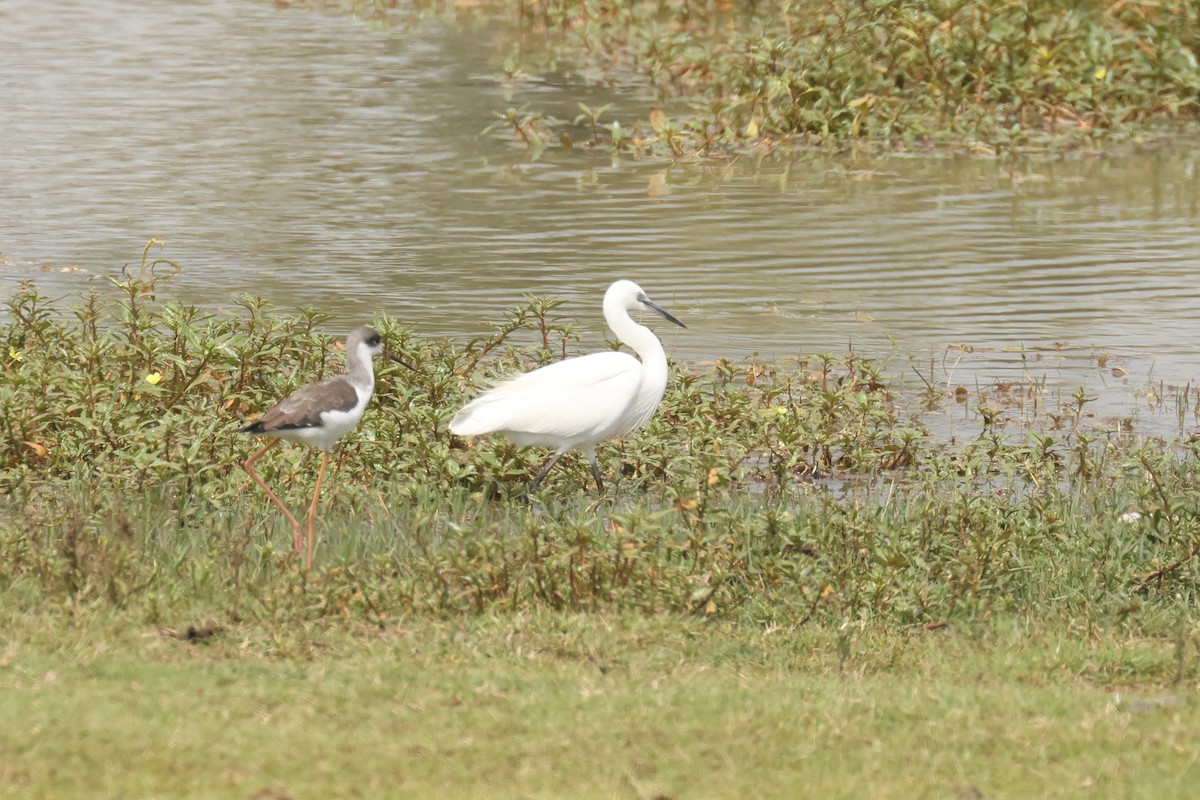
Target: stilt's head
column 629, row 296
column 365, row 342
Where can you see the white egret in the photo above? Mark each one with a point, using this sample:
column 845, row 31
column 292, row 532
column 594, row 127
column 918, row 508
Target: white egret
column 318, row 415
column 578, row 402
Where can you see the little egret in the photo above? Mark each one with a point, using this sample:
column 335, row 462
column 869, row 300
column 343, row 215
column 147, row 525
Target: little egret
column 318, row 415
column 578, row 402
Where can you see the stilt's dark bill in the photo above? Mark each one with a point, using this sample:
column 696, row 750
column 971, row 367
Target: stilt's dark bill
column 399, row 361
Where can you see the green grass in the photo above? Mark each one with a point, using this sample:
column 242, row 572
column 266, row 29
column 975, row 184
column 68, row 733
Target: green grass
column 792, row 588
column 554, row 705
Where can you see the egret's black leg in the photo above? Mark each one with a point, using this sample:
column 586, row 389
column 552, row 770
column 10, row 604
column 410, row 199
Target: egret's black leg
column 537, row 481
column 591, row 455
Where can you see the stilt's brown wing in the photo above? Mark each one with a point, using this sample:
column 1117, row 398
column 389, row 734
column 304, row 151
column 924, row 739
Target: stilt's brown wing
column 303, row 408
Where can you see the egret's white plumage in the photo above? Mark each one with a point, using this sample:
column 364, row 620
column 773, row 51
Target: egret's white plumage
column 580, row 401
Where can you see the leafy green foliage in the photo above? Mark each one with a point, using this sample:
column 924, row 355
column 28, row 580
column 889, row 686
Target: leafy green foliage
column 766, row 493
column 991, row 76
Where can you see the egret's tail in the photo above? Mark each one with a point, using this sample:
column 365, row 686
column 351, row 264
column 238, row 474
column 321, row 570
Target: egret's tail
column 471, row 420
column 489, row 412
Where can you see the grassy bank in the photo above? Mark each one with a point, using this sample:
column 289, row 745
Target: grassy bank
column 550, row 705
column 791, row 582
column 992, row 78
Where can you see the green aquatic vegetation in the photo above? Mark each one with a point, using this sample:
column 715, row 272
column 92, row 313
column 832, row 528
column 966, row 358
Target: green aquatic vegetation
column 800, row 491
column 993, row 77
column 131, row 392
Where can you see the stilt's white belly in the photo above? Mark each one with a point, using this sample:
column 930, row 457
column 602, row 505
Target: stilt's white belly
column 334, row 425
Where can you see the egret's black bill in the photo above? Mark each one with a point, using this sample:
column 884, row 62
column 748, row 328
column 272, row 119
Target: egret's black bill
column 663, row 313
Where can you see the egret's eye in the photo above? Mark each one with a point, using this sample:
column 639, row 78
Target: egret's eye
column 374, row 341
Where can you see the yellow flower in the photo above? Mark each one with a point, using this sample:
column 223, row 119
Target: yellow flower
column 15, row 355
column 153, row 378
column 1100, row 73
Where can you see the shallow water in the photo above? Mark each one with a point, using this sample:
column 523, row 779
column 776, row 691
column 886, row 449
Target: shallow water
column 322, row 160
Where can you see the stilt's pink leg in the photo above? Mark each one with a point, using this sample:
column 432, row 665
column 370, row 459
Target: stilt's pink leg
column 249, row 466
column 312, row 509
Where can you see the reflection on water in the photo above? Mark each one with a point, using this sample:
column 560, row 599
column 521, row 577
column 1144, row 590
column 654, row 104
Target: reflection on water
column 316, row 160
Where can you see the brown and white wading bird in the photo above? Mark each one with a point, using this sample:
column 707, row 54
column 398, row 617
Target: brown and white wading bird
column 318, row 415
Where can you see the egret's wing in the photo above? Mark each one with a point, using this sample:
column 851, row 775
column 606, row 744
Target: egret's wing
column 575, row 399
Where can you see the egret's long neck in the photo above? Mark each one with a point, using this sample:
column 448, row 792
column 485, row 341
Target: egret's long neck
column 640, row 338
column 360, row 368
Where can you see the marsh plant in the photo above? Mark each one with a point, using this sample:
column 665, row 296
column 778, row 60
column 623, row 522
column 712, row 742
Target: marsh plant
column 801, row 493
column 989, row 77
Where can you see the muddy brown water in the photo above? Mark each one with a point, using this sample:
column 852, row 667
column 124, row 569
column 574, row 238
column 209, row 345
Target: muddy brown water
column 323, row 160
